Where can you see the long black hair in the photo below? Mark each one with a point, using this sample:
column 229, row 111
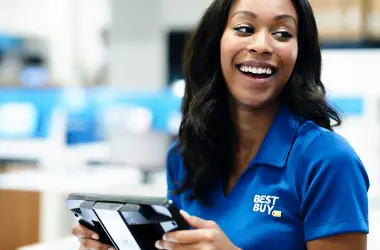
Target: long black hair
column 207, row 136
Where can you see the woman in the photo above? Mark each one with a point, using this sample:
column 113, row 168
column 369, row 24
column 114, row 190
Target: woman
column 256, row 157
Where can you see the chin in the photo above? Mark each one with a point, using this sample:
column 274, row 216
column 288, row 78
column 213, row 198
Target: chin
column 256, row 103
column 255, row 99
column 252, row 104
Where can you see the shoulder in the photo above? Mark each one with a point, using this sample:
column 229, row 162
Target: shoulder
column 324, row 156
column 174, row 161
column 332, row 184
column 174, row 151
column 320, row 145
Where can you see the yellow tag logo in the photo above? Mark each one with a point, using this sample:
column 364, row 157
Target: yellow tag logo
column 276, row 213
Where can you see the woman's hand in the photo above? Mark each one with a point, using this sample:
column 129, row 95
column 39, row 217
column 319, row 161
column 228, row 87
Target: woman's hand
column 206, row 236
column 88, row 239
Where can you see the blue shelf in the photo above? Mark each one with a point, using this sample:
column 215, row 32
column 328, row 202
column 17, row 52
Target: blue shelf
column 365, row 44
column 349, row 106
column 85, row 109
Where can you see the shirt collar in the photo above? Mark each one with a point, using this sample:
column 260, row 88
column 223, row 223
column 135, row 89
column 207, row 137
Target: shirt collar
column 276, row 146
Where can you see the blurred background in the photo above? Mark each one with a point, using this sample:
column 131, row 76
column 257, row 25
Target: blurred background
column 90, row 94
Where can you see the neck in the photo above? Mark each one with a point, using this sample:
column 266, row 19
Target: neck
column 252, row 125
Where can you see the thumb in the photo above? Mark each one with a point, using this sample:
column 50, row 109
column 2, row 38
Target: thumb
column 198, row 223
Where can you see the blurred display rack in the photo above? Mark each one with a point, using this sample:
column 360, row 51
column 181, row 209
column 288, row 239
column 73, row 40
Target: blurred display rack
column 354, row 44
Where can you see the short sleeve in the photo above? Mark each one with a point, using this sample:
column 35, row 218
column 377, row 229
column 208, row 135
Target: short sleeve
column 172, row 174
column 335, row 199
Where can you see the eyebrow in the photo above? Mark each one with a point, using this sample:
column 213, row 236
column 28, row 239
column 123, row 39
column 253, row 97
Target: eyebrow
column 277, row 18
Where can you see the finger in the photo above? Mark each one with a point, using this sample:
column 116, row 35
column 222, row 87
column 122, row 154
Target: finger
column 197, row 222
column 190, row 236
column 87, row 243
column 167, row 245
column 81, row 231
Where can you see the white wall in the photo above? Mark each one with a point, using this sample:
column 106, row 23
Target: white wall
column 138, row 52
column 92, row 17
column 69, row 27
column 355, row 73
column 182, row 13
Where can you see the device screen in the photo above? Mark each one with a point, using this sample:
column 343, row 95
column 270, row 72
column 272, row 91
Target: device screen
column 117, row 229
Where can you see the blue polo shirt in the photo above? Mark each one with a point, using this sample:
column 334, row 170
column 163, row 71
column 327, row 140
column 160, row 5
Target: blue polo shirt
column 305, row 183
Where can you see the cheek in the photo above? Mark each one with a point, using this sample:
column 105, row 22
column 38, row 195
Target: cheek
column 294, row 55
column 288, row 54
column 228, row 51
column 224, row 52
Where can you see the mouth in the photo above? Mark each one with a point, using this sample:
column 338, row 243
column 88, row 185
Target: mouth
column 257, row 72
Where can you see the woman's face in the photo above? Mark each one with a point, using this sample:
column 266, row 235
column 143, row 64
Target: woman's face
column 259, row 50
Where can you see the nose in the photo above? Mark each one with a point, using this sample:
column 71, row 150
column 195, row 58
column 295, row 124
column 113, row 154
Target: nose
column 260, row 44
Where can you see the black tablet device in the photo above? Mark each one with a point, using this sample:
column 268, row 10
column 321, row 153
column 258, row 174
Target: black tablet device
column 127, row 222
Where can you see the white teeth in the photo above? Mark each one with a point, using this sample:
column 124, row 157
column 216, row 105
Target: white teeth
column 255, row 70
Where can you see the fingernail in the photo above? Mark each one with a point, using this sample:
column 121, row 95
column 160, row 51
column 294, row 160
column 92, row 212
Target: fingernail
column 167, row 238
column 111, row 248
column 95, row 236
column 184, row 213
column 158, row 244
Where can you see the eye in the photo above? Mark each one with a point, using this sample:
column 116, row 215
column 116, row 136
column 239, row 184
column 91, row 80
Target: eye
column 284, row 35
column 247, row 29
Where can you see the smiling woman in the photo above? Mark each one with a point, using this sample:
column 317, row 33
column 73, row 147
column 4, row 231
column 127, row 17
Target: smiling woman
column 274, row 50
column 257, row 163
column 257, row 124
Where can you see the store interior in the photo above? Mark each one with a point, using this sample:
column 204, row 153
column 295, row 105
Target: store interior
column 90, row 95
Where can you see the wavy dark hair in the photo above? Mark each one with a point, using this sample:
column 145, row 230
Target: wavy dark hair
column 207, row 136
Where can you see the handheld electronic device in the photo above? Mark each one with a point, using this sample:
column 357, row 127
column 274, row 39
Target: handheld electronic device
column 127, row 222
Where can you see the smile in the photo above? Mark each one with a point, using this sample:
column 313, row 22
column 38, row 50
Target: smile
column 258, row 72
